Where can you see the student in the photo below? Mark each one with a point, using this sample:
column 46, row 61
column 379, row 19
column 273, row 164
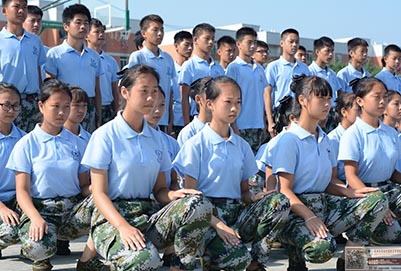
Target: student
column 201, row 64
column 226, row 49
column 198, row 88
column 391, row 64
column 55, row 205
column 392, row 114
column 74, row 63
column 96, row 39
column 10, row 103
column 152, row 31
column 279, row 74
column 370, row 151
column 358, row 55
column 261, row 55
column 301, row 54
column 183, row 45
column 218, row 162
column 21, row 55
column 33, row 21
column 346, row 112
column 305, row 165
column 138, row 40
column 250, row 76
column 128, row 160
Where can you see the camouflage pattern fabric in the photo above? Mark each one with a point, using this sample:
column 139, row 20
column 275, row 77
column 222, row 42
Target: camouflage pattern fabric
column 254, row 137
column 107, row 114
column 89, row 122
column 9, row 234
column 29, row 115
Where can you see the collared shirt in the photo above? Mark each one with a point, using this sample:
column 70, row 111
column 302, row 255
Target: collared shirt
column 190, row 130
column 53, row 162
column 279, row 75
column 164, row 65
column 132, row 160
column 335, row 137
column 84, row 135
column 75, row 68
column 196, row 67
column 392, row 81
column 310, row 161
column 349, row 73
column 376, row 150
column 7, row 176
column 20, row 59
column 172, row 148
column 218, row 165
column 330, row 76
column 109, row 76
column 252, row 80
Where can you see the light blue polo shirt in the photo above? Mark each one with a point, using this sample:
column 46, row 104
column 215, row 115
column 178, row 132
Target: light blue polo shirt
column 330, row 76
column 310, row 161
column 53, row 162
column 172, row 148
column 109, row 76
column 349, row 73
column 392, row 81
column 164, row 65
column 279, row 75
column 264, row 157
column 335, row 137
column 71, row 67
column 190, row 130
column 132, row 160
column 261, row 166
column 20, row 59
column 177, row 107
column 84, row 135
column 376, row 150
column 219, row 166
column 252, row 81
column 7, row 176
column 196, row 67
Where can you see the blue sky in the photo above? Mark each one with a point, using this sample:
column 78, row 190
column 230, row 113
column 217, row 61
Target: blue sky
column 378, row 20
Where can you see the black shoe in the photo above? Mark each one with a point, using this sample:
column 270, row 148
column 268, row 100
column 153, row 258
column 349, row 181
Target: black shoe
column 167, row 259
column 340, row 239
column 296, row 266
column 63, row 248
column 1, row 255
column 340, row 264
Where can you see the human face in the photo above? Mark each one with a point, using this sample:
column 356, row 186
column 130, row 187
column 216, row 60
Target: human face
column 205, row 42
column 290, row 44
column 184, row 48
column 374, row 102
column 77, row 112
column 226, row 107
column 325, row 55
column 11, row 99
column 141, row 97
column 154, row 33
column 247, row 46
column 15, row 12
column 317, row 107
column 55, row 111
column 301, row 56
column 154, row 117
column 96, row 36
column 33, row 24
column 393, row 60
column 360, row 54
column 393, row 109
column 78, row 27
column 261, row 55
column 226, row 53
column 350, row 114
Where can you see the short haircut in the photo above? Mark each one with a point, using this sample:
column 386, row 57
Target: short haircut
column 182, row 35
column 261, row 43
column 302, row 48
column 6, row 2
column 322, row 42
column 245, row 31
column 288, row 31
column 70, row 12
column 355, row 42
column 346, row 101
column 203, row 27
column 390, row 48
column 138, row 39
column 96, row 23
column 145, row 21
column 35, row 10
column 79, row 95
column 225, row 40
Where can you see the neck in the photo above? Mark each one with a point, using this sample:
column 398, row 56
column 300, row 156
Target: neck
column 321, row 64
column 202, row 54
column 5, row 129
column 357, row 65
column 134, row 120
column 17, row 30
column 308, row 124
column 76, row 44
column 50, row 129
column 289, row 58
column 345, row 124
column 95, row 47
column 179, row 59
column 204, row 116
column 151, row 47
column 72, row 127
column 245, row 58
column 222, row 129
column 371, row 120
column 390, row 121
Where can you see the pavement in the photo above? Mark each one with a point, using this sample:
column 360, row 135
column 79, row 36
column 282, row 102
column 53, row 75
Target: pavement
column 12, row 262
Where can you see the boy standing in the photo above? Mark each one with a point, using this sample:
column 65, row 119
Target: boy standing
column 201, row 64
column 109, row 79
column 21, row 55
column 301, row 54
column 33, row 22
column 74, row 63
column 279, row 74
column 261, row 55
column 226, row 49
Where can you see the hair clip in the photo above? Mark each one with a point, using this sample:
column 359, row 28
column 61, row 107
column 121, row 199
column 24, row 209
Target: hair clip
column 298, row 78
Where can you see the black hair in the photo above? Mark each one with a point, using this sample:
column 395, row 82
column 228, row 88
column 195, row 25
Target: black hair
column 72, row 10
column 362, row 86
column 322, row 42
column 198, row 87
column 288, row 106
column 213, row 87
column 79, row 95
column 52, row 86
column 6, row 87
column 203, row 27
column 387, row 50
column 4, row 3
column 245, row 31
column 260, row 43
column 302, row 48
column 390, row 95
column 308, row 85
column 145, row 21
column 129, row 76
column 288, row 31
column 182, row 35
column 225, row 40
column 346, row 101
column 138, row 39
column 162, row 91
column 35, row 10
column 352, row 44
column 96, row 23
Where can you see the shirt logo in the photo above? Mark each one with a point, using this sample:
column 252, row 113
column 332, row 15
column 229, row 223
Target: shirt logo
column 35, row 50
column 159, row 155
column 93, row 63
column 75, row 155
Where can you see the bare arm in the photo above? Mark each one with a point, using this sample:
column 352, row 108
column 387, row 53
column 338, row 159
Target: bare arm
column 269, row 109
column 116, row 96
column 84, row 183
column 184, row 89
column 352, row 174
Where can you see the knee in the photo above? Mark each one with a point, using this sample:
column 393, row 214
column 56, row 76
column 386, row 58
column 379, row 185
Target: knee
column 38, row 251
column 277, row 203
column 127, row 260
column 319, row 251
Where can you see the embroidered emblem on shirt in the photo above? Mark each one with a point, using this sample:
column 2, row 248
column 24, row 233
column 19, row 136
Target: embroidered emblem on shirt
column 159, row 155
column 35, row 50
column 75, row 155
column 93, row 63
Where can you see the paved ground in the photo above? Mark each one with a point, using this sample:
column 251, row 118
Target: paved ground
column 11, row 261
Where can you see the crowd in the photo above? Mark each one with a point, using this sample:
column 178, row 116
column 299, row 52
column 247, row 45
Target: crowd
column 190, row 157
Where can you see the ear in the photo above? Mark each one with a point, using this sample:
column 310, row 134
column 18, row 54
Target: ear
column 209, row 105
column 4, row 11
column 41, row 106
column 124, row 92
column 359, row 101
column 238, row 44
column 343, row 112
column 143, row 33
column 66, row 26
column 291, row 117
column 302, row 100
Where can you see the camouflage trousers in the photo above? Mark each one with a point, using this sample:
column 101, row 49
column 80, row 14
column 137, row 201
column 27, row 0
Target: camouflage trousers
column 182, row 223
column 107, row 113
column 89, row 122
column 254, row 137
column 67, row 219
column 358, row 218
column 386, row 235
column 257, row 223
column 9, row 234
column 28, row 116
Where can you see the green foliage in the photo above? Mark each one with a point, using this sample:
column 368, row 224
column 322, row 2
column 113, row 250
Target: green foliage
column 337, row 66
column 373, row 69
